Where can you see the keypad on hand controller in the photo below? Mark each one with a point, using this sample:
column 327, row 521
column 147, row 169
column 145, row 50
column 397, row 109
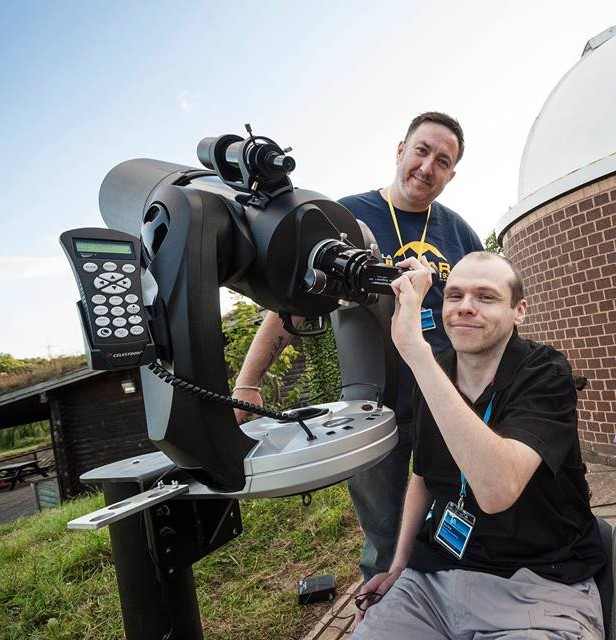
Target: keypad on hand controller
column 111, row 278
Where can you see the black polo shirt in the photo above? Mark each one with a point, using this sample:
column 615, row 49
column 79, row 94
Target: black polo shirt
column 550, row 529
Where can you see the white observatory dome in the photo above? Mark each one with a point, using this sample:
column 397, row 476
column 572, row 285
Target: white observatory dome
column 573, row 139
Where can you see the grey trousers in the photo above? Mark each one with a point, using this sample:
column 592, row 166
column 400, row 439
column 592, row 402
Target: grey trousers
column 378, row 497
column 468, row 605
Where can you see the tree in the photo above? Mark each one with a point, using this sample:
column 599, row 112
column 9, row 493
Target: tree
column 491, row 244
column 9, row 364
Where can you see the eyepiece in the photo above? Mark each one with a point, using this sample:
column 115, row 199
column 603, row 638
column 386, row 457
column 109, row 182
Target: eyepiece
column 286, row 163
column 340, row 270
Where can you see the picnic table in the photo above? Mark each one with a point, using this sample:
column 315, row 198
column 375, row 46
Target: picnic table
column 17, row 471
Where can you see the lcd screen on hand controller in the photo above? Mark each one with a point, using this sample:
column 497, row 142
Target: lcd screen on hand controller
column 104, row 246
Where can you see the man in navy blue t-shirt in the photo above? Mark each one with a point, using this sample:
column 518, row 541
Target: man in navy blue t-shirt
column 406, row 222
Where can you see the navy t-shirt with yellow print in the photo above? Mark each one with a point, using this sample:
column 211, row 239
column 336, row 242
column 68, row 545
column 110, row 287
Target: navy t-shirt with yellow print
column 448, row 239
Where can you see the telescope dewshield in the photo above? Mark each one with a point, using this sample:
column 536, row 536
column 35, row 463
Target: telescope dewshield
column 125, row 192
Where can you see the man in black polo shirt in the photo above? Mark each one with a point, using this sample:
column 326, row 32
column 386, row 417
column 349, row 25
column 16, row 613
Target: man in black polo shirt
column 406, row 220
column 497, row 536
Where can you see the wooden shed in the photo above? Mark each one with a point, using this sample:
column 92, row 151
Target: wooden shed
column 96, row 417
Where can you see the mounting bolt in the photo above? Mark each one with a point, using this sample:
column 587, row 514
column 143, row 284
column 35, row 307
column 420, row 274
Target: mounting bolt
column 163, row 510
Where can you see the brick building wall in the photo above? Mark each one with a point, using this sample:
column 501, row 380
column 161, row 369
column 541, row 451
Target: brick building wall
column 566, row 251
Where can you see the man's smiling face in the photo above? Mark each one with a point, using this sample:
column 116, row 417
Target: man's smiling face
column 477, row 311
column 425, row 164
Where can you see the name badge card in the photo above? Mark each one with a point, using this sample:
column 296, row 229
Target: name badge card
column 455, row 529
column 427, row 320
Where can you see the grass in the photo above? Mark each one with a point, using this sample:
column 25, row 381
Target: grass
column 60, row 585
column 38, row 443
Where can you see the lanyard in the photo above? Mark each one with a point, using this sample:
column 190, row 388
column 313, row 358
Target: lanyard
column 486, row 418
column 397, row 228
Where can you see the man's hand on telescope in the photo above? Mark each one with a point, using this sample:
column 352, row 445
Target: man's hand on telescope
column 410, row 290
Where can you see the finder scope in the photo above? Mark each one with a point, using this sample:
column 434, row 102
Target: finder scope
column 255, row 164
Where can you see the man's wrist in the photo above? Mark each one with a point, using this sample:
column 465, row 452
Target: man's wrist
column 396, row 568
column 415, row 352
column 247, row 381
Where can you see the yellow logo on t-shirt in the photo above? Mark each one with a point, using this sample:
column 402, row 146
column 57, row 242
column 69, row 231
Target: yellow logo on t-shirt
column 442, row 266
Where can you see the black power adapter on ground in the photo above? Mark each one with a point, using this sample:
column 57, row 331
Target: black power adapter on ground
column 316, row 589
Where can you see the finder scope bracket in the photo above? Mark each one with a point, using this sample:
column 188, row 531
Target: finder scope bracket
column 256, row 166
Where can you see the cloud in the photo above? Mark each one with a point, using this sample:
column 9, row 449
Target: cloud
column 185, row 102
column 28, row 267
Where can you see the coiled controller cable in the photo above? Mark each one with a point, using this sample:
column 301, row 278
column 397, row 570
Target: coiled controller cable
column 294, row 415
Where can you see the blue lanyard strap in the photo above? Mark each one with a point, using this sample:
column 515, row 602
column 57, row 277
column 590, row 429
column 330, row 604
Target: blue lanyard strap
column 486, row 418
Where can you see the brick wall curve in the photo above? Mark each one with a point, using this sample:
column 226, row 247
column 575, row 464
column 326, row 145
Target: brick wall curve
column 566, row 251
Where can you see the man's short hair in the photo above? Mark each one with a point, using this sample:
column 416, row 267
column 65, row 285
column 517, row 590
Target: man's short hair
column 439, row 118
column 516, row 284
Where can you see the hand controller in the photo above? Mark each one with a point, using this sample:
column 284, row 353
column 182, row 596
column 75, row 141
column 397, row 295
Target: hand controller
column 107, row 266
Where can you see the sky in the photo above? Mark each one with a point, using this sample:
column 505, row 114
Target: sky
column 87, row 85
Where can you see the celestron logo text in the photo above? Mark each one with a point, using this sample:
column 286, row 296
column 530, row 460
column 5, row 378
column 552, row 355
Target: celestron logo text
column 127, row 353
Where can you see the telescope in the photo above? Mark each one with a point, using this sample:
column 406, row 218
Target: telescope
column 149, row 298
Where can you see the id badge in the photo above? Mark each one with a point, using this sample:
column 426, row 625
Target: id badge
column 455, row 529
column 427, row 320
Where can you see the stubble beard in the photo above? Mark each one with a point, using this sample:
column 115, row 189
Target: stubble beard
column 412, row 199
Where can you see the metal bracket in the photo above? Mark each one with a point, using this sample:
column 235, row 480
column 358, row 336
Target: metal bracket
column 125, row 508
column 184, row 531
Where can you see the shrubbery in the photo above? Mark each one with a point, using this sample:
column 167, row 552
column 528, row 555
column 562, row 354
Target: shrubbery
column 320, row 379
column 18, row 373
column 24, row 436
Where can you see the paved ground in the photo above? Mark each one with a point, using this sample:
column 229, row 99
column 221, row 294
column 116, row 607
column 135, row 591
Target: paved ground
column 336, row 623
column 21, row 501
column 602, row 481
column 16, row 503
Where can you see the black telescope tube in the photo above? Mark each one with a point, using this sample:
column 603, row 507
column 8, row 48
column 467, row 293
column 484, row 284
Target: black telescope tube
column 212, row 151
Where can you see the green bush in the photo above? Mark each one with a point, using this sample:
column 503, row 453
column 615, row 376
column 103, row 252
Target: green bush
column 24, row 436
column 321, row 378
column 318, row 382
